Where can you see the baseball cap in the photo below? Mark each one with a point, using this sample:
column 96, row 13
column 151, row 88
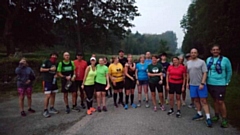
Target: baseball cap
column 92, row 58
column 120, row 51
column 79, row 54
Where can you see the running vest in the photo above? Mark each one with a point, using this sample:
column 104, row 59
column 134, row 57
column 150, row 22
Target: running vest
column 67, row 69
column 90, row 79
column 218, row 64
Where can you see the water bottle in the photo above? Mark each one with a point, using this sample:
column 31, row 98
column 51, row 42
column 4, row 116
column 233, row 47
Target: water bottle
column 68, row 85
column 54, row 80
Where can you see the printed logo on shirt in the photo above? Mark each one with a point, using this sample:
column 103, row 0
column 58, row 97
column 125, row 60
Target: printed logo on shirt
column 118, row 69
column 155, row 70
column 68, row 68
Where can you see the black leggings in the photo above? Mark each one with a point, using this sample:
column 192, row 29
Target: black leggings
column 89, row 92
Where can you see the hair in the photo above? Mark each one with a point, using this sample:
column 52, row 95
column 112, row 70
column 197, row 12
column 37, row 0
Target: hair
column 105, row 58
column 142, row 55
column 216, row 45
column 113, row 59
column 54, row 53
column 175, row 58
column 155, row 56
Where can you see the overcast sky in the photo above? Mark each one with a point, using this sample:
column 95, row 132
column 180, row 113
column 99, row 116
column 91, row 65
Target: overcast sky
column 158, row 16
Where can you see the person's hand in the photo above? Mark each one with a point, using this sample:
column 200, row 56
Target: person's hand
column 55, row 76
column 68, row 77
column 114, row 83
column 160, row 82
column 187, row 86
column 82, row 86
column 53, row 68
column 167, row 87
column 160, row 74
column 183, row 89
column 73, row 79
column 107, row 87
column 132, row 78
column 28, row 81
column 201, row 87
column 137, row 82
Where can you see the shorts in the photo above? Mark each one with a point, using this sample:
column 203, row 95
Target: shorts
column 72, row 88
column 153, row 87
column 143, row 82
column 175, row 88
column 78, row 84
column 25, row 91
column 129, row 84
column 164, row 81
column 100, row 87
column 119, row 85
column 217, row 92
column 196, row 93
column 49, row 87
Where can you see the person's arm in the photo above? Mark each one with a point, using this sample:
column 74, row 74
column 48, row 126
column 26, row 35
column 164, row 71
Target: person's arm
column 228, row 71
column 204, row 78
column 85, row 75
column 107, row 77
column 126, row 71
column 184, row 81
column 74, row 71
column 45, row 69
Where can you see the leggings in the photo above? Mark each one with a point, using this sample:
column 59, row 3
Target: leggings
column 89, row 89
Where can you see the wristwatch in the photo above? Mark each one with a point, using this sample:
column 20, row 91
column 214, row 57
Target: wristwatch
column 202, row 83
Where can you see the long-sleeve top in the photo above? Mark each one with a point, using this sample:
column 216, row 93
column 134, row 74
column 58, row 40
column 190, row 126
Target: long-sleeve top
column 24, row 74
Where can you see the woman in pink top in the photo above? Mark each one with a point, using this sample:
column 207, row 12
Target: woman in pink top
column 175, row 79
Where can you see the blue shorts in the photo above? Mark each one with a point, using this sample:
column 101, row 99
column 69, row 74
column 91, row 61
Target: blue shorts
column 143, row 82
column 196, row 93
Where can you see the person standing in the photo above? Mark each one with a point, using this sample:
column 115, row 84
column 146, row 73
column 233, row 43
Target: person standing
column 66, row 70
column 116, row 74
column 219, row 76
column 49, row 73
column 122, row 59
column 25, row 78
column 81, row 66
column 197, row 73
column 155, row 82
column 130, row 81
column 184, row 94
column 101, row 85
column 142, row 80
column 106, row 63
column 165, row 64
column 176, row 77
column 88, row 84
column 148, row 59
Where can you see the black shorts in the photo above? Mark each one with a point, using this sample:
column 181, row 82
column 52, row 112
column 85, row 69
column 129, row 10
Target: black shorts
column 129, row 84
column 153, row 87
column 72, row 88
column 49, row 87
column 78, row 84
column 143, row 82
column 164, row 81
column 119, row 85
column 100, row 87
column 175, row 88
column 217, row 92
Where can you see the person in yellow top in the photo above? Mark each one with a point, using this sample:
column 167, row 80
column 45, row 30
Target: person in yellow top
column 116, row 74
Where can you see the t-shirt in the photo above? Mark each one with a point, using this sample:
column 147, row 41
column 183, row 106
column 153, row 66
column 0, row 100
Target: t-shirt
column 116, row 71
column 123, row 61
column 142, row 71
column 219, row 79
column 80, row 69
column 90, row 79
column 165, row 66
column 154, row 69
column 48, row 76
column 148, row 61
column 195, row 69
column 176, row 74
column 66, row 68
column 102, row 71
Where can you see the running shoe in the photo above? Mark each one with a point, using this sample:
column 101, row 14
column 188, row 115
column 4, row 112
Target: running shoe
column 197, row 117
column 53, row 110
column 23, row 114
column 147, row 105
column 191, row 105
column 89, row 112
column 83, row 106
column 162, row 108
column 170, row 112
column 134, row 105
column 93, row 109
column 155, row 109
column 126, row 107
column 139, row 104
column 31, row 110
column 178, row 114
column 76, row 109
column 224, row 123
column 104, row 108
column 166, row 101
column 99, row 109
column 68, row 110
column 116, row 105
column 215, row 119
column 46, row 114
column 209, row 122
column 183, row 103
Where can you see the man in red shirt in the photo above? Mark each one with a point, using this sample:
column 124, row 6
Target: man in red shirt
column 81, row 66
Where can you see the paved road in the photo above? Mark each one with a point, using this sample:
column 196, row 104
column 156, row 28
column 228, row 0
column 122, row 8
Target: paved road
column 117, row 121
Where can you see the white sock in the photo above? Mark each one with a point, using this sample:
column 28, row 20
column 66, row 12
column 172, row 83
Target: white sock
column 200, row 113
column 208, row 116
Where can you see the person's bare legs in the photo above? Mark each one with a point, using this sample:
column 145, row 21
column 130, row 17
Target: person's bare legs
column 46, row 101
column 154, row 98
column 145, row 87
column 29, row 97
column 178, row 98
column 65, row 98
column 98, row 98
column 139, row 93
column 171, row 100
column 74, row 94
column 52, row 99
column 21, row 103
column 103, row 95
column 205, row 107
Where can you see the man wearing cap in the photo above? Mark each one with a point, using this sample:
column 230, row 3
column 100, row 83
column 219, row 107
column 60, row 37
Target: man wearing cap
column 80, row 67
column 123, row 60
column 165, row 65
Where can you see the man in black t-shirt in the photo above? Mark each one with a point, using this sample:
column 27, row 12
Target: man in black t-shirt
column 123, row 60
column 49, row 73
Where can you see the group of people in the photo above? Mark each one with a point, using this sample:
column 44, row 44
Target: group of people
column 97, row 78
